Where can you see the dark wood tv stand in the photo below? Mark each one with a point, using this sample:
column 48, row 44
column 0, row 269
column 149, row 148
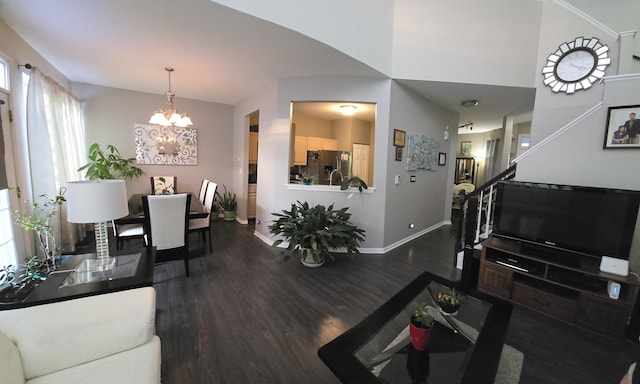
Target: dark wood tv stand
column 560, row 284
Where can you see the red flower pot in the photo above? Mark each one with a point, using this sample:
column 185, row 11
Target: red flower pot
column 419, row 336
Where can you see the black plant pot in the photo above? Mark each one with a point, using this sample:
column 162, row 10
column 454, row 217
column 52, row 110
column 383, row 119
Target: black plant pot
column 448, row 308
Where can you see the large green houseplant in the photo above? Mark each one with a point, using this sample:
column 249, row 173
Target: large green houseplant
column 313, row 232
column 109, row 164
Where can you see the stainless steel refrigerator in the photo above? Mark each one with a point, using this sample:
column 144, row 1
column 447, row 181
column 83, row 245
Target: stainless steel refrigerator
column 329, row 167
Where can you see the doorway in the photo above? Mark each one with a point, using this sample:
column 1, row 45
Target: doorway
column 360, row 164
column 252, row 172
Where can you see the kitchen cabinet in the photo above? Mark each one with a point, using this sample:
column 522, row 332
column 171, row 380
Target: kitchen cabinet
column 251, row 200
column 321, row 144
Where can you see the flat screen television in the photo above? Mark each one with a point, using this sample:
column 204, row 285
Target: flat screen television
column 591, row 221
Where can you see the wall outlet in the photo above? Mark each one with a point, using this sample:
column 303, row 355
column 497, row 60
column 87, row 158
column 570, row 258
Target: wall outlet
column 258, row 221
column 412, row 178
column 397, row 179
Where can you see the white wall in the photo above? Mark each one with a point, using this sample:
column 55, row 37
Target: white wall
column 576, row 156
column 359, row 28
column 110, row 117
column 466, row 41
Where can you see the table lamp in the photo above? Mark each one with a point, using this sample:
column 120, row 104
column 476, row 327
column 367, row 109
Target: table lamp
column 97, row 201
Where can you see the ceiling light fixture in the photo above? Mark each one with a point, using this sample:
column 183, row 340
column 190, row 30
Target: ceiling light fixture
column 348, row 110
column 169, row 116
column 469, row 103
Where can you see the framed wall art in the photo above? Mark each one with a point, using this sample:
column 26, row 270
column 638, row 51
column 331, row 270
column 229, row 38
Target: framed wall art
column 399, row 138
column 160, row 145
column 623, row 128
column 465, row 148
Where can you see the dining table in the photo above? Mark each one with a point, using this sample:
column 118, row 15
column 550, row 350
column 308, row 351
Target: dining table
column 136, row 213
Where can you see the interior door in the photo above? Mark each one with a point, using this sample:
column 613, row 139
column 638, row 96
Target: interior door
column 360, row 165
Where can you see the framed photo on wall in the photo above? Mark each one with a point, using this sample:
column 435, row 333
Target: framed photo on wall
column 442, row 158
column 399, row 138
column 398, row 153
column 623, row 128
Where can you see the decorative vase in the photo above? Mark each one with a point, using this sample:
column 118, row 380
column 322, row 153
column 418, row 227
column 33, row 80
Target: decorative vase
column 419, row 336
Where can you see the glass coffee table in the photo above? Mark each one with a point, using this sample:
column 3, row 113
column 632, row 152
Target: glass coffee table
column 464, row 348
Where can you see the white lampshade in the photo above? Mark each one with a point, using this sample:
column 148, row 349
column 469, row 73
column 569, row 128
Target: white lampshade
column 96, row 201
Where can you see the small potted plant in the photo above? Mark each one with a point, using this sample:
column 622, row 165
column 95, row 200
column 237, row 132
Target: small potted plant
column 420, row 327
column 37, row 219
column 449, row 302
column 354, row 181
column 228, row 204
column 306, row 178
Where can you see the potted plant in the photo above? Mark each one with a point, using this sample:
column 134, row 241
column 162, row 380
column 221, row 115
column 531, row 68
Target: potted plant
column 167, row 189
column 306, row 178
column 354, row 181
column 449, row 302
column 420, row 327
column 17, row 283
column 312, row 232
column 109, row 165
column 15, row 287
column 228, row 204
column 37, row 220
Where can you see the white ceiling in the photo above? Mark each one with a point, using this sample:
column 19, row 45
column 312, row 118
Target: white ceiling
column 219, row 55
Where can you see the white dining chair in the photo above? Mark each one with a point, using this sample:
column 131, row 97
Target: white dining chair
column 123, row 232
column 166, row 221
column 203, row 225
column 203, row 190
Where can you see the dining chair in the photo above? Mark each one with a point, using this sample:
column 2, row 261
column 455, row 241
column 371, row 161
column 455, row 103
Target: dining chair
column 164, row 185
column 166, row 223
column 203, row 225
column 203, row 190
column 123, row 232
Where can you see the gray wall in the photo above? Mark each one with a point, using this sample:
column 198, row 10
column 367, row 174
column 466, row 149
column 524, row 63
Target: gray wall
column 426, row 203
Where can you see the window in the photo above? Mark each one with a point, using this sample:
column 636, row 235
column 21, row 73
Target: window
column 4, row 74
column 331, row 142
column 7, row 245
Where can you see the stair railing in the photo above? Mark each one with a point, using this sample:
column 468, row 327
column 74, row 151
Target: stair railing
column 471, row 209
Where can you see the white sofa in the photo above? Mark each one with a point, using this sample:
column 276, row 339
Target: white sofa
column 108, row 338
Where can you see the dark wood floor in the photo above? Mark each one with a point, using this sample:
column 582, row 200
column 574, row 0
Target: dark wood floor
column 241, row 318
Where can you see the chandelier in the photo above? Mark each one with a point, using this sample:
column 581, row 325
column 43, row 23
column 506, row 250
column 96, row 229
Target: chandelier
column 169, row 116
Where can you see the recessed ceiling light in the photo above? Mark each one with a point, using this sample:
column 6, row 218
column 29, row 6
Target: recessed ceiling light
column 469, row 103
column 348, row 110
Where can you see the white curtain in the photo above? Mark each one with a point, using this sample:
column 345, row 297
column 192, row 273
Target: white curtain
column 491, row 163
column 56, row 145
